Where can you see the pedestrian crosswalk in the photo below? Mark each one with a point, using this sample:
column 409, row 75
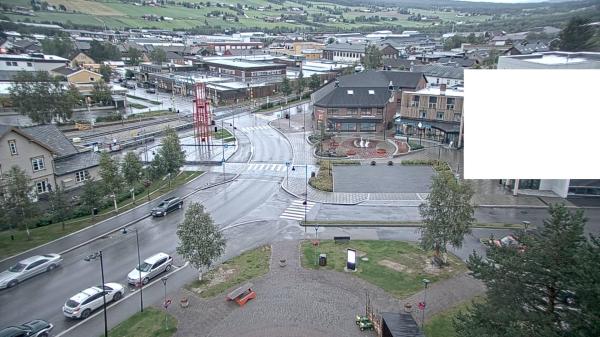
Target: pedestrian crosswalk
column 266, row 167
column 296, row 210
column 254, row 128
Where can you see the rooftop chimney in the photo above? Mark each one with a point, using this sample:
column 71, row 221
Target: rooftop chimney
column 442, row 89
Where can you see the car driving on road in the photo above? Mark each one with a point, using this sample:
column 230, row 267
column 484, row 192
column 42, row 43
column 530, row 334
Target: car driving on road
column 28, row 268
column 151, row 267
column 167, row 206
column 35, row 328
column 82, row 304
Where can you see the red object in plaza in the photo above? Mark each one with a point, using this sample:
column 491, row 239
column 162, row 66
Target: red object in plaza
column 202, row 115
column 242, row 294
column 421, row 305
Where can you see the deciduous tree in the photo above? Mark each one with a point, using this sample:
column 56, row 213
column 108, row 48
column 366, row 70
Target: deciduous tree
column 104, row 51
column 286, row 88
column 20, row 207
column 314, row 82
column 171, row 152
column 577, row 35
column 112, row 181
column 59, row 46
column 131, row 168
column 372, row 59
column 158, row 55
column 41, row 97
column 135, row 56
column 447, row 213
column 200, row 241
column 101, row 93
column 91, row 195
column 300, row 83
column 59, row 206
column 106, row 72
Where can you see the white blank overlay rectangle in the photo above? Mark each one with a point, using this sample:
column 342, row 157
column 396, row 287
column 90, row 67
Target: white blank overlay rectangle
column 532, row 124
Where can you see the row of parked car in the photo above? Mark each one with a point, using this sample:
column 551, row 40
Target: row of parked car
column 82, row 304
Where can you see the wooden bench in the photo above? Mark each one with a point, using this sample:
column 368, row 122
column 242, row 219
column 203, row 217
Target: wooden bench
column 341, row 239
column 242, row 294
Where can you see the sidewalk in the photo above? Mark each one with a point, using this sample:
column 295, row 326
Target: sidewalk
column 487, row 194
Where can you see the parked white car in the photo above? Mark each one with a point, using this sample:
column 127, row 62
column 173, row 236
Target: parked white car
column 28, row 268
column 82, row 304
column 151, row 267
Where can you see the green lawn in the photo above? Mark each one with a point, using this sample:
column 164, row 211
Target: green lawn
column 150, row 323
column 440, row 325
column 144, row 99
column 45, row 234
column 397, row 267
column 137, row 106
column 233, row 272
column 224, row 134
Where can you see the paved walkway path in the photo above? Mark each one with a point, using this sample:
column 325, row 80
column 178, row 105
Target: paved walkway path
column 293, row 301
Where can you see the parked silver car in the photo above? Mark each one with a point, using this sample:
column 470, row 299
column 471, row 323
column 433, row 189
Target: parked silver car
column 29, row 268
column 150, row 268
column 82, row 304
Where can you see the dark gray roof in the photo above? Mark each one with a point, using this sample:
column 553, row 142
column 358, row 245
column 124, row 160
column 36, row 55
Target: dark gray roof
column 439, row 70
column 530, row 48
column 82, row 45
column 354, row 90
column 463, row 62
column 400, row 63
column 373, row 79
column 52, row 137
column 64, row 70
column 401, row 325
column 7, row 75
column 76, row 162
column 350, row 47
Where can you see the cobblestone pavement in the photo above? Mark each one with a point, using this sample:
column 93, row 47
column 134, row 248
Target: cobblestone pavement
column 293, row 301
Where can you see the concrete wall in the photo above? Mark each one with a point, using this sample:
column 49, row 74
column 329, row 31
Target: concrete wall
column 558, row 186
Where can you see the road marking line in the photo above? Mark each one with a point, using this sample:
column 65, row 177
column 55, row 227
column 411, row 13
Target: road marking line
column 292, row 211
column 291, row 218
column 99, row 312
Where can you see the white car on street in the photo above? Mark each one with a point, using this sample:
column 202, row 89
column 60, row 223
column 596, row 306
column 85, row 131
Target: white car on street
column 28, row 268
column 151, row 267
column 82, row 304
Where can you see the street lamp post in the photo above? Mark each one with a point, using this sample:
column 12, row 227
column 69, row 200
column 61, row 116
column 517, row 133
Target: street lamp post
column 525, row 225
column 137, row 241
column 425, row 283
column 166, row 304
column 89, row 258
column 420, row 126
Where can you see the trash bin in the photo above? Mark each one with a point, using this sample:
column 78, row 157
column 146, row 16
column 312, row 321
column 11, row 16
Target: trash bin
column 322, row 260
column 95, row 211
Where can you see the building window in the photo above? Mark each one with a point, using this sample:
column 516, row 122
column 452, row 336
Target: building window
column 457, row 116
column 29, row 64
column 367, row 127
column 332, row 111
column 91, row 79
column 440, row 115
column 82, row 176
column 347, row 126
column 423, row 114
column 37, row 163
column 432, row 102
column 380, row 111
column 8, row 63
column 365, row 111
column 353, row 111
column 12, row 144
column 415, row 101
column 450, row 103
column 42, row 186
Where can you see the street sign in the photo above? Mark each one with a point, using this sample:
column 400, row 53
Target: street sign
column 421, row 305
column 225, row 145
column 287, row 163
column 167, row 303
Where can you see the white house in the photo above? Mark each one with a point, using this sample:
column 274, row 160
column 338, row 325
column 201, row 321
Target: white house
column 31, row 62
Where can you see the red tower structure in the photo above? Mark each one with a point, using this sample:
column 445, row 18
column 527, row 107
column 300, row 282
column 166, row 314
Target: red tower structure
column 202, row 115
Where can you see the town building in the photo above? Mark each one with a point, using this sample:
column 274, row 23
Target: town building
column 363, row 102
column 436, row 74
column 83, row 80
column 552, row 60
column 525, row 48
column 246, row 70
column 344, row 52
column 81, row 59
column 31, row 62
column 47, row 157
column 435, row 112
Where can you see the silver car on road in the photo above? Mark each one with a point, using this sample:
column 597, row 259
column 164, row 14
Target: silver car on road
column 28, row 268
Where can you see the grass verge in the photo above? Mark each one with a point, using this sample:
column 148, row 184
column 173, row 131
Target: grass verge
column 324, row 179
column 224, row 134
column 137, row 106
column 244, row 267
column 440, row 325
column 143, row 99
column 397, row 267
column 342, row 223
column 150, row 323
column 45, row 234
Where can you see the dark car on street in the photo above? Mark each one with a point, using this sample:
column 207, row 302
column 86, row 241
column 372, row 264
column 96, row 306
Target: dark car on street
column 167, row 206
column 151, row 91
column 35, row 328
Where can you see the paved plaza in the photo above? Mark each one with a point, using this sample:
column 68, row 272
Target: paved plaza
column 296, row 302
column 382, row 179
